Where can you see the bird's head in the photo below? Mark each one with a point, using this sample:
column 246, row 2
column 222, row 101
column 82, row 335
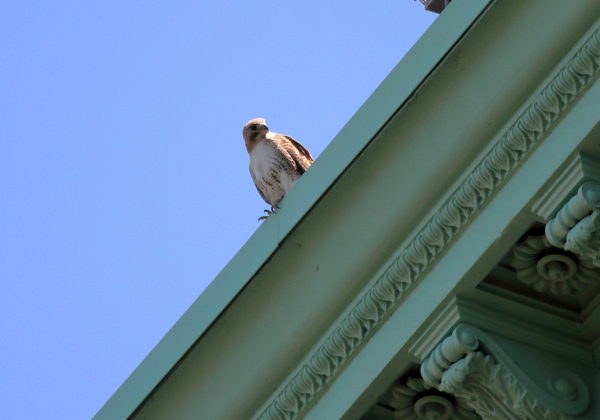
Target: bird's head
column 254, row 130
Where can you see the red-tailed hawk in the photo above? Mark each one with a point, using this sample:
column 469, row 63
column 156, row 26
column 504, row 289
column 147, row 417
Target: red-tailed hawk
column 276, row 161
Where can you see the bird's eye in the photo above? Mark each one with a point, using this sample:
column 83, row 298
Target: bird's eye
column 253, row 127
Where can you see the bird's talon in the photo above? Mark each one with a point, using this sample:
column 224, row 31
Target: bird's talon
column 269, row 212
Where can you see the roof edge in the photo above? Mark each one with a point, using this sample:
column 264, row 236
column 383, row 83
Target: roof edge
column 389, row 96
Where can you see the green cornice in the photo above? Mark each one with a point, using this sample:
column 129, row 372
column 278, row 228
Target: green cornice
column 526, row 132
column 393, row 92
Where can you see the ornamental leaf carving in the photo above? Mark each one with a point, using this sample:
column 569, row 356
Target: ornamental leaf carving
column 492, row 391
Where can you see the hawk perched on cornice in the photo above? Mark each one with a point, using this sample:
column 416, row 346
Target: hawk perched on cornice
column 276, row 161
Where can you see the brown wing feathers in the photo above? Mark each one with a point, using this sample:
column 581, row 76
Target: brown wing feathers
column 301, row 157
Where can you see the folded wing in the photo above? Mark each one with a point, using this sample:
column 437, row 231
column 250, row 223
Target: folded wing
column 299, row 155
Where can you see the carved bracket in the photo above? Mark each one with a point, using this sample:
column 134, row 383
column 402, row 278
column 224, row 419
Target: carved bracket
column 576, row 226
column 501, row 381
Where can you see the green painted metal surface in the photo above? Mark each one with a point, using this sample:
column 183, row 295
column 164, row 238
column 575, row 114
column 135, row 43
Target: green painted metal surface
column 434, row 116
column 462, row 268
column 394, row 90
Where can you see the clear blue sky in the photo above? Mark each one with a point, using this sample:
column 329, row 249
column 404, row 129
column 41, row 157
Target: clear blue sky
column 124, row 179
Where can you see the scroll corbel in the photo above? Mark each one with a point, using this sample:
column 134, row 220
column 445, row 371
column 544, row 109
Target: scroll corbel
column 474, row 368
column 576, row 226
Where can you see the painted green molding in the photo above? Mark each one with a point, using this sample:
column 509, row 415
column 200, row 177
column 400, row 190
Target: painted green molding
column 377, row 302
column 580, row 168
column 396, row 89
column 537, row 263
column 538, row 259
column 513, row 385
column 574, row 226
column 413, row 400
column 490, row 388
